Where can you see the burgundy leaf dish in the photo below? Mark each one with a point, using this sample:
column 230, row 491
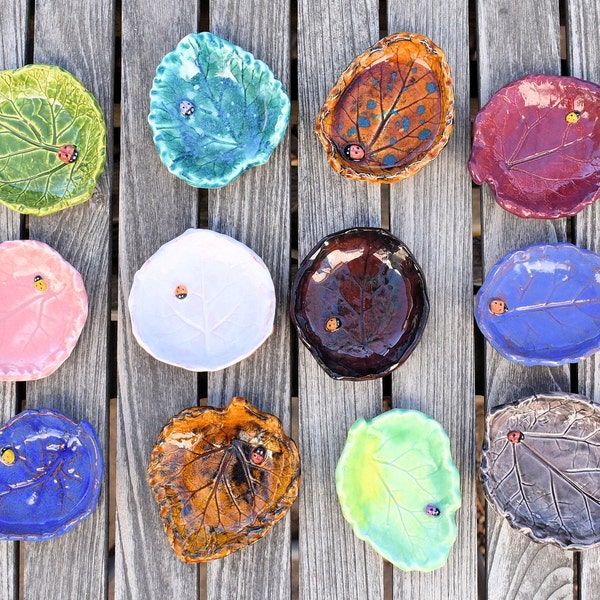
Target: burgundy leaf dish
column 537, row 145
column 359, row 303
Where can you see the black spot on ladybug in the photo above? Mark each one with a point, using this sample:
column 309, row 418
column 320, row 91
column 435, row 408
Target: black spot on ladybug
column 257, row 456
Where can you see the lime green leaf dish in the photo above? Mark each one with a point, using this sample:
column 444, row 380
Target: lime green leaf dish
column 399, row 488
column 52, row 140
column 215, row 111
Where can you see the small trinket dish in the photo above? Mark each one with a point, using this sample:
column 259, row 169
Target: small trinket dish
column 391, row 111
column 215, row 111
column 222, row 478
column 540, row 468
column 399, row 488
column 50, row 474
column 203, row 301
column 52, row 140
column 540, row 305
column 359, row 303
column 537, row 145
column 43, row 309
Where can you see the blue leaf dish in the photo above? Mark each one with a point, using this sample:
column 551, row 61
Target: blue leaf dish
column 50, row 474
column 215, row 111
column 540, row 305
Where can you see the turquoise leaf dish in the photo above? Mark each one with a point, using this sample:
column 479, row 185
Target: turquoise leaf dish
column 399, row 488
column 215, row 111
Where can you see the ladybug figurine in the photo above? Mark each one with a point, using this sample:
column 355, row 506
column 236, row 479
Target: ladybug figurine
column 67, row 153
column 186, row 108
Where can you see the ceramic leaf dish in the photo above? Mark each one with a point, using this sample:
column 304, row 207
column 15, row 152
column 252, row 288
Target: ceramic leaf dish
column 215, row 111
column 52, row 140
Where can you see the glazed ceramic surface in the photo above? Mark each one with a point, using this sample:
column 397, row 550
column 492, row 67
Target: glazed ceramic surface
column 203, row 301
column 43, row 309
column 52, row 140
column 540, row 468
column 540, row 305
column 359, row 303
column 399, row 488
column 391, row 111
column 50, row 474
column 222, row 478
column 215, row 111
column 537, row 144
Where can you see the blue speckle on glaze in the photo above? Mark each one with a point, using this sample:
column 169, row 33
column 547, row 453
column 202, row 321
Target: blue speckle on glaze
column 371, row 104
column 424, row 134
column 420, row 109
column 414, row 69
column 394, row 75
column 232, row 131
column 431, row 87
column 55, row 480
column 553, row 299
column 352, row 132
column 389, row 160
column 363, row 122
column 405, row 123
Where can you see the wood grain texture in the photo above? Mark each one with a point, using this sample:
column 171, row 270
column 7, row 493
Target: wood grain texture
column 69, row 34
column 583, row 21
column 13, row 28
column 515, row 39
column 431, row 213
column 154, row 208
column 333, row 562
column 255, row 209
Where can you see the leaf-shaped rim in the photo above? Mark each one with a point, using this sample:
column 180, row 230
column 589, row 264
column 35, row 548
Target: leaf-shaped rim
column 501, row 278
column 520, row 192
column 179, row 138
column 41, row 258
column 78, row 436
column 223, row 432
column 523, row 413
column 65, row 93
column 356, row 486
column 162, row 323
column 363, row 62
column 382, row 242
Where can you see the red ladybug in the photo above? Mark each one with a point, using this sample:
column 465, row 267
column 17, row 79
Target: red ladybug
column 257, row 456
column 67, row 153
column 514, row 437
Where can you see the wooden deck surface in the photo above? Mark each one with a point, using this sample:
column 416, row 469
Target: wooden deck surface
column 281, row 210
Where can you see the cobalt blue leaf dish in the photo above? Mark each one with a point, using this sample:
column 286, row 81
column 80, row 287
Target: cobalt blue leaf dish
column 540, row 305
column 50, row 474
column 215, row 111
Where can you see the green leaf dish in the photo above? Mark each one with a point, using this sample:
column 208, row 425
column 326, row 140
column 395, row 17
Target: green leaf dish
column 399, row 489
column 52, row 140
column 215, row 111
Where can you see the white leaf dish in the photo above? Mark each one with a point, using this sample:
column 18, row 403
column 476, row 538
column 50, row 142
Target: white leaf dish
column 203, row 301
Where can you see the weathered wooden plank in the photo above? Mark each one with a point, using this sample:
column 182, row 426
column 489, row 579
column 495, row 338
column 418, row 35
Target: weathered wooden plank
column 333, row 562
column 510, row 46
column 431, row 213
column 69, row 34
column 13, row 36
column 255, row 209
column 583, row 21
column 154, row 208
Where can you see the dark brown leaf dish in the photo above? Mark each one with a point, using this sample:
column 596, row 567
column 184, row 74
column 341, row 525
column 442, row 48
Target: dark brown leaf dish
column 222, row 478
column 391, row 111
column 540, row 468
column 359, row 303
